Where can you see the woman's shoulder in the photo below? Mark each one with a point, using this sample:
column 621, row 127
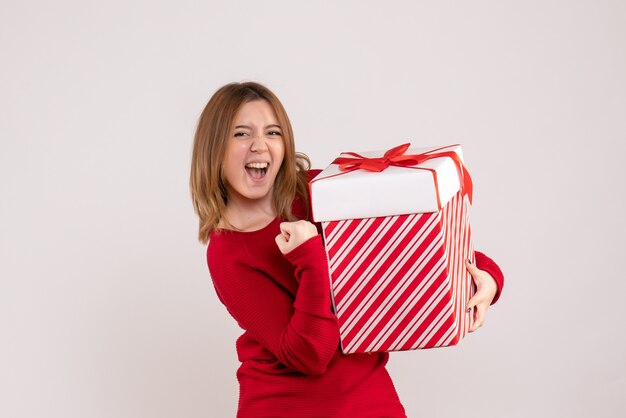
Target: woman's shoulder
column 298, row 208
column 312, row 173
column 225, row 252
column 218, row 244
column 223, row 246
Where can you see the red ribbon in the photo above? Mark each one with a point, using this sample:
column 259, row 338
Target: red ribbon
column 396, row 157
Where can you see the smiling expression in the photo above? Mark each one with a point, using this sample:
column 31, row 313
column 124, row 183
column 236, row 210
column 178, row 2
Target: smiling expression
column 254, row 153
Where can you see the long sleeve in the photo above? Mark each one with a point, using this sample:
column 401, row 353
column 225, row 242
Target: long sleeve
column 485, row 263
column 301, row 332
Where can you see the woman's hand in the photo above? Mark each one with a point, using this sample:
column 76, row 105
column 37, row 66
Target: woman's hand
column 293, row 234
column 486, row 289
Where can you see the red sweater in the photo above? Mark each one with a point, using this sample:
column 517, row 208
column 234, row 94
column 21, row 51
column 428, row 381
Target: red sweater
column 291, row 362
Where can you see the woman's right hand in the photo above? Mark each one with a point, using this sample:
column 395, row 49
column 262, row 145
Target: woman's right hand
column 293, row 234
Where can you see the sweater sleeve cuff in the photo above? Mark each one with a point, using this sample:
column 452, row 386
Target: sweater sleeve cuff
column 304, row 250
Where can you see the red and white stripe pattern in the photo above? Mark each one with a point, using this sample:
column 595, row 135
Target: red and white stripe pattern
column 400, row 282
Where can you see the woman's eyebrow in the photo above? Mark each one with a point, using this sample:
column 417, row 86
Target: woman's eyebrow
column 248, row 127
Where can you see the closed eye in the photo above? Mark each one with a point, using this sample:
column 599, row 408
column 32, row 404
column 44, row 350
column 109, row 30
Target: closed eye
column 239, row 134
column 274, row 133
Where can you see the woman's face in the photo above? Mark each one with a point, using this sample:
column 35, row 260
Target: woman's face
column 254, row 153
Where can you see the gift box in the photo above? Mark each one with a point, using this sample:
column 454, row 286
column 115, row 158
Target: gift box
column 397, row 234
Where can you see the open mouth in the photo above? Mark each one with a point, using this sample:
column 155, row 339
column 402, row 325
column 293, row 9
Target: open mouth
column 257, row 170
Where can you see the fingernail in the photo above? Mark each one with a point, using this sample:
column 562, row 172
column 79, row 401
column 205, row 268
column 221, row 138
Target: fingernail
column 469, row 261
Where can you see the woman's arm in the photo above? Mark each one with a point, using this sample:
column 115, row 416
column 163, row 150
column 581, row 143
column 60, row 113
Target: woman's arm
column 303, row 333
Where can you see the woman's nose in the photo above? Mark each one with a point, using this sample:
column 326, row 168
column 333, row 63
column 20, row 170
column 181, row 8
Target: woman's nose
column 258, row 144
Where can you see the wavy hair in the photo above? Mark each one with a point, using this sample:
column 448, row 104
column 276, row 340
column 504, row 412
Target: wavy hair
column 206, row 183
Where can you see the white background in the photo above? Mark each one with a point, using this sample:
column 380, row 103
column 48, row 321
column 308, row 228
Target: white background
column 106, row 305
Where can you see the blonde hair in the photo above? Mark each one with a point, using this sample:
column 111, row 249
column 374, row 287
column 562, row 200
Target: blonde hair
column 206, row 183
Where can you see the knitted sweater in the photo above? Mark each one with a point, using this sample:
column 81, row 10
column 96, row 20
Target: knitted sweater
column 291, row 364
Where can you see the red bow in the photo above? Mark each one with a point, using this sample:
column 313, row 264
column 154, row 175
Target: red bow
column 395, row 157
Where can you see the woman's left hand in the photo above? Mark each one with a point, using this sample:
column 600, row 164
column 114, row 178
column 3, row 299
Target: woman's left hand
column 486, row 290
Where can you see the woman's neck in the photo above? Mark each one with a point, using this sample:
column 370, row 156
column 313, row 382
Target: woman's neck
column 247, row 216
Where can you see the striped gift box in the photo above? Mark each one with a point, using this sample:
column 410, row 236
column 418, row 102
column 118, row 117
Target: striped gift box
column 399, row 282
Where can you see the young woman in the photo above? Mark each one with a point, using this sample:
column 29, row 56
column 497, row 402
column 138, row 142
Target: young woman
column 268, row 266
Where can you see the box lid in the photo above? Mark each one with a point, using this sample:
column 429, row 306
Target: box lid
column 337, row 194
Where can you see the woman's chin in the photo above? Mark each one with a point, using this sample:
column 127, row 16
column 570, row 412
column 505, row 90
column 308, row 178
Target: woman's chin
column 256, row 191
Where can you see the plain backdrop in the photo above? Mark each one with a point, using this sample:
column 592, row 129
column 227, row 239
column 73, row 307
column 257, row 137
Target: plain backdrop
column 106, row 304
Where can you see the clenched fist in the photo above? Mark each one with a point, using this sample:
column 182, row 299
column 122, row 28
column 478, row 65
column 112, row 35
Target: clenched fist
column 293, row 234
